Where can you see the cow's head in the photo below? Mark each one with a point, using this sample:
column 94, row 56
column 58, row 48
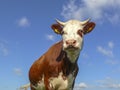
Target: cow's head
column 73, row 32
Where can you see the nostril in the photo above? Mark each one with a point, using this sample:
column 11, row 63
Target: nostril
column 74, row 42
column 67, row 42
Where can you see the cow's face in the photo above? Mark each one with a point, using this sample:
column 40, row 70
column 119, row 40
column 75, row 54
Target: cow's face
column 72, row 33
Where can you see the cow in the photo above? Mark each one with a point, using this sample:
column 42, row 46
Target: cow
column 57, row 68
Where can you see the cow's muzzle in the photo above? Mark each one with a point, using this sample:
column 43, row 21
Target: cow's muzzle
column 70, row 43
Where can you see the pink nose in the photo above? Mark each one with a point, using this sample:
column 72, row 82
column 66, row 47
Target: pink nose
column 71, row 42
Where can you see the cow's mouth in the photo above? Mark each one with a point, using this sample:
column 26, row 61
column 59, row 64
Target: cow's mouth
column 71, row 48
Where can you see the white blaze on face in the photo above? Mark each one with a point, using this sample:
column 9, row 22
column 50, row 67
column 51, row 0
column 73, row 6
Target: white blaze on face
column 70, row 30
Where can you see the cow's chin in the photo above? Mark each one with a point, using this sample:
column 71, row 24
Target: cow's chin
column 72, row 53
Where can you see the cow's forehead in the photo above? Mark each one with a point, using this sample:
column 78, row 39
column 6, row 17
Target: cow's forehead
column 72, row 25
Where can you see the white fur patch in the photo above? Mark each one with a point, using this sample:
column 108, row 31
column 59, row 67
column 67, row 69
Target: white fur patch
column 58, row 83
column 40, row 85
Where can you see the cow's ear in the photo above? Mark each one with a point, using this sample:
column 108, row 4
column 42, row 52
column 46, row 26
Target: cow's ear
column 89, row 27
column 57, row 28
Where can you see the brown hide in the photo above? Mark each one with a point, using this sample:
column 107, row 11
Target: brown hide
column 51, row 64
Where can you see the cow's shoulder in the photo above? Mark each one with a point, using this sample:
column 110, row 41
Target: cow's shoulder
column 54, row 51
column 56, row 46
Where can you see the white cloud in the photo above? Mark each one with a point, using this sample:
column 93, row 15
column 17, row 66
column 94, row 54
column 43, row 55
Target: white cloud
column 108, row 83
column 114, row 19
column 85, row 55
column 80, row 86
column 112, row 62
column 114, row 86
column 110, row 44
column 18, row 71
column 50, row 37
column 3, row 48
column 108, row 51
column 96, row 9
column 104, row 51
column 23, row 22
column 5, row 51
column 83, row 85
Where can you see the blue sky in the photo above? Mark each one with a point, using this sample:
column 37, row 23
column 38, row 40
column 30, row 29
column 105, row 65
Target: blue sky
column 25, row 34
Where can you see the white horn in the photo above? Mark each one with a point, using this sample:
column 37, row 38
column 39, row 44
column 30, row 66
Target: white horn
column 85, row 22
column 59, row 22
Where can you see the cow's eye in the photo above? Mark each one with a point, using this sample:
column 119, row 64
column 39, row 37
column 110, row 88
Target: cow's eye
column 63, row 32
column 80, row 32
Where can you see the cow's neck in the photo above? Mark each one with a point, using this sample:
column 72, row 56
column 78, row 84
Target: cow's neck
column 68, row 67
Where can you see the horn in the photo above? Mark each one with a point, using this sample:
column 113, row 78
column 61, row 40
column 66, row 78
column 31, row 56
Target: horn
column 85, row 22
column 59, row 22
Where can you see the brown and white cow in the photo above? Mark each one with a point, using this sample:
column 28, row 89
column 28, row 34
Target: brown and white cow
column 57, row 68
